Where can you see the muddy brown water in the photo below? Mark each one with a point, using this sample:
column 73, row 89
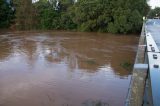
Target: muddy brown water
column 64, row 68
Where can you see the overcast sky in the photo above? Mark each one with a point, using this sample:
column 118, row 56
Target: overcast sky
column 34, row 1
column 154, row 3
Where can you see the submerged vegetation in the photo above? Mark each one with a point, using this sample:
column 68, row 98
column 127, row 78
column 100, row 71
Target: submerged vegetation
column 113, row 16
column 126, row 65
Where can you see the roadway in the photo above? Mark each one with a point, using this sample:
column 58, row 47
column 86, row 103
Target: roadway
column 153, row 26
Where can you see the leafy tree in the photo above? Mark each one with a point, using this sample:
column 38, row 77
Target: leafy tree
column 114, row 16
column 47, row 16
column 6, row 14
column 154, row 13
column 51, row 18
column 24, row 14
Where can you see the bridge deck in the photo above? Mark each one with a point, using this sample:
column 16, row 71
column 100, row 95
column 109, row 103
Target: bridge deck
column 153, row 26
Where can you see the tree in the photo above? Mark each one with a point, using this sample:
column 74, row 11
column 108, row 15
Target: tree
column 24, row 14
column 113, row 16
column 154, row 13
column 6, row 14
column 48, row 17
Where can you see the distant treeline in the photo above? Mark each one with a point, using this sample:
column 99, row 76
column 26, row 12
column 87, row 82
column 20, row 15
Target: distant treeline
column 113, row 16
column 154, row 13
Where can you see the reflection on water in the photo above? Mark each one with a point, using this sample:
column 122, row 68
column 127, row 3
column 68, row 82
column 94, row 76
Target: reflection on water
column 64, row 68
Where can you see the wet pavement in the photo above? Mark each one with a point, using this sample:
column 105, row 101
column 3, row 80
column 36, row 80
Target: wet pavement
column 153, row 26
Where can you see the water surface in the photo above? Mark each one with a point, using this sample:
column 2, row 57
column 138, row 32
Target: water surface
column 64, row 68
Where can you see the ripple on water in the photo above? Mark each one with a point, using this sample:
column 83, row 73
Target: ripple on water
column 64, row 69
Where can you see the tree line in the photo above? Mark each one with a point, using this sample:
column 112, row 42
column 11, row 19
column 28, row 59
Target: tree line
column 113, row 16
column 154, row 13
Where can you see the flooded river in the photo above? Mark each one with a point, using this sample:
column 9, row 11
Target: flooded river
column 65, row 68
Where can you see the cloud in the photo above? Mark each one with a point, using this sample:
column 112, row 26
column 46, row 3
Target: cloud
column 154, row 3
column 33, row 1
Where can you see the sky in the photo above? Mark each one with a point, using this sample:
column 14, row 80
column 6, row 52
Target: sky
column 34, row 1
column 154, row 3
